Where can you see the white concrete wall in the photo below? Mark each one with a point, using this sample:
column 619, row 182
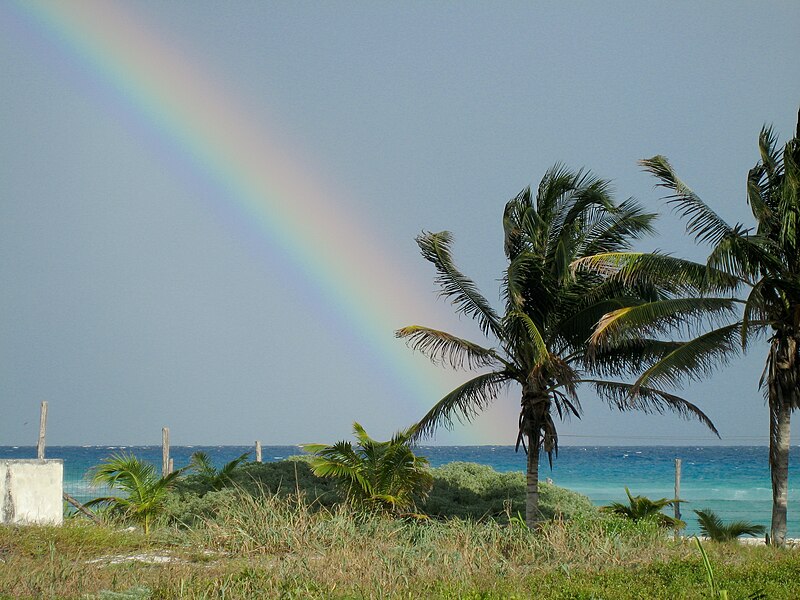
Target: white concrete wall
column 31, row 491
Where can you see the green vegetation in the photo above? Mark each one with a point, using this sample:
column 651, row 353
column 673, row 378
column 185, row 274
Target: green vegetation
column 642, row 507
column 146, row 492
column 472, row 491
column 713, row 528
column 460, row 490
column 207, row 476
column 550, row 312
column 713, row 587
column 375, row 475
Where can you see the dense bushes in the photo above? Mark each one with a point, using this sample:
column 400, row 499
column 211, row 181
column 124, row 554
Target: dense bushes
column 460, row 489
column 469, row 490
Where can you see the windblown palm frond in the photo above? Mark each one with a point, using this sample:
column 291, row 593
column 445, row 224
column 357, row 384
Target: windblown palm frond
column 672, row 274
column 464, row 403
column 435, row 248
column 704, row 223
column 660, row 317
column 694, row 359
column 442, row 347
column 713, row 528
column 616, row 231
column 630, row 357
column 625, row 396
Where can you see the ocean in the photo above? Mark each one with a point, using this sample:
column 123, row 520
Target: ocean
column 731, row 480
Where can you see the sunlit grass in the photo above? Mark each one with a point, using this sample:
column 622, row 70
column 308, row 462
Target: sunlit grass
column 277, row 547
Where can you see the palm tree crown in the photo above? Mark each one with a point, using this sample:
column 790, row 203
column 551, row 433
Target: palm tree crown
column 550, row 313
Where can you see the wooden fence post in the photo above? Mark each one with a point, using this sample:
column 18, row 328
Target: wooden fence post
column 164, row 451
column 677, row 487
column 42, row 431
column 258, row 451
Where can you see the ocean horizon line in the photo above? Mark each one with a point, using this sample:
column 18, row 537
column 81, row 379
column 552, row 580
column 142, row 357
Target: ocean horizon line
column 685, row 444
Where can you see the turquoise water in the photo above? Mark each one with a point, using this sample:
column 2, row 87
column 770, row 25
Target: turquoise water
column 733, row 481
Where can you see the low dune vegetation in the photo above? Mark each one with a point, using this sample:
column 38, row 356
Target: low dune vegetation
column 276, row 545
column 277, row 530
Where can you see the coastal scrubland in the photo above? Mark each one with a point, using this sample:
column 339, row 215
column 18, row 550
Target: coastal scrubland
column 279, row 532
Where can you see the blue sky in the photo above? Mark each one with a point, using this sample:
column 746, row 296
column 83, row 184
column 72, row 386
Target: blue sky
column 132, row 301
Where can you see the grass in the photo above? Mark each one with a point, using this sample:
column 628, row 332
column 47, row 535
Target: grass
column 280, row 547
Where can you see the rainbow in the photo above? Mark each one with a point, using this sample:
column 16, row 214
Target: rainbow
column 335, row 251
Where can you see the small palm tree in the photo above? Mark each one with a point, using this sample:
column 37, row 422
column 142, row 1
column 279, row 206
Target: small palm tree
column 383, row 475
column 642, row 507
column 207, row 475
column 146, row 492
column 714, row 529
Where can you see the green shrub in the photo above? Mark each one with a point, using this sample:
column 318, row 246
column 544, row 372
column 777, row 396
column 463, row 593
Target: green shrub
column 460, row 489
column 469, row 490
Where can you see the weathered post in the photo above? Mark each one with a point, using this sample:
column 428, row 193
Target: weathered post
column 677, row 491
column 42, row 431
column 171, row 465
column 258, row 451
column 164, row 451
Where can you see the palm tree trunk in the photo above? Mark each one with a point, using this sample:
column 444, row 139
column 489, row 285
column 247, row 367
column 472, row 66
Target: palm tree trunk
column 532, row 514
column 779, row 470
column 534, row 421
column 784, row 395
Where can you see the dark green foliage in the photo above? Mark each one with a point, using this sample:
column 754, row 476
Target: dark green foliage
column 712, row 527
column 469, row 490
column 282, row 478
column 642, row 507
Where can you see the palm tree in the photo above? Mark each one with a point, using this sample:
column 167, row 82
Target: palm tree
column 383, row 475
column 207, row 475
column 713, row 528
column 550, row 312
column 146, row 491
column 642, row 507
column 765, row 261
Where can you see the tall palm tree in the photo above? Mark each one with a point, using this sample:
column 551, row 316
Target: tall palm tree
column 550, row 313
column 764, row 261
